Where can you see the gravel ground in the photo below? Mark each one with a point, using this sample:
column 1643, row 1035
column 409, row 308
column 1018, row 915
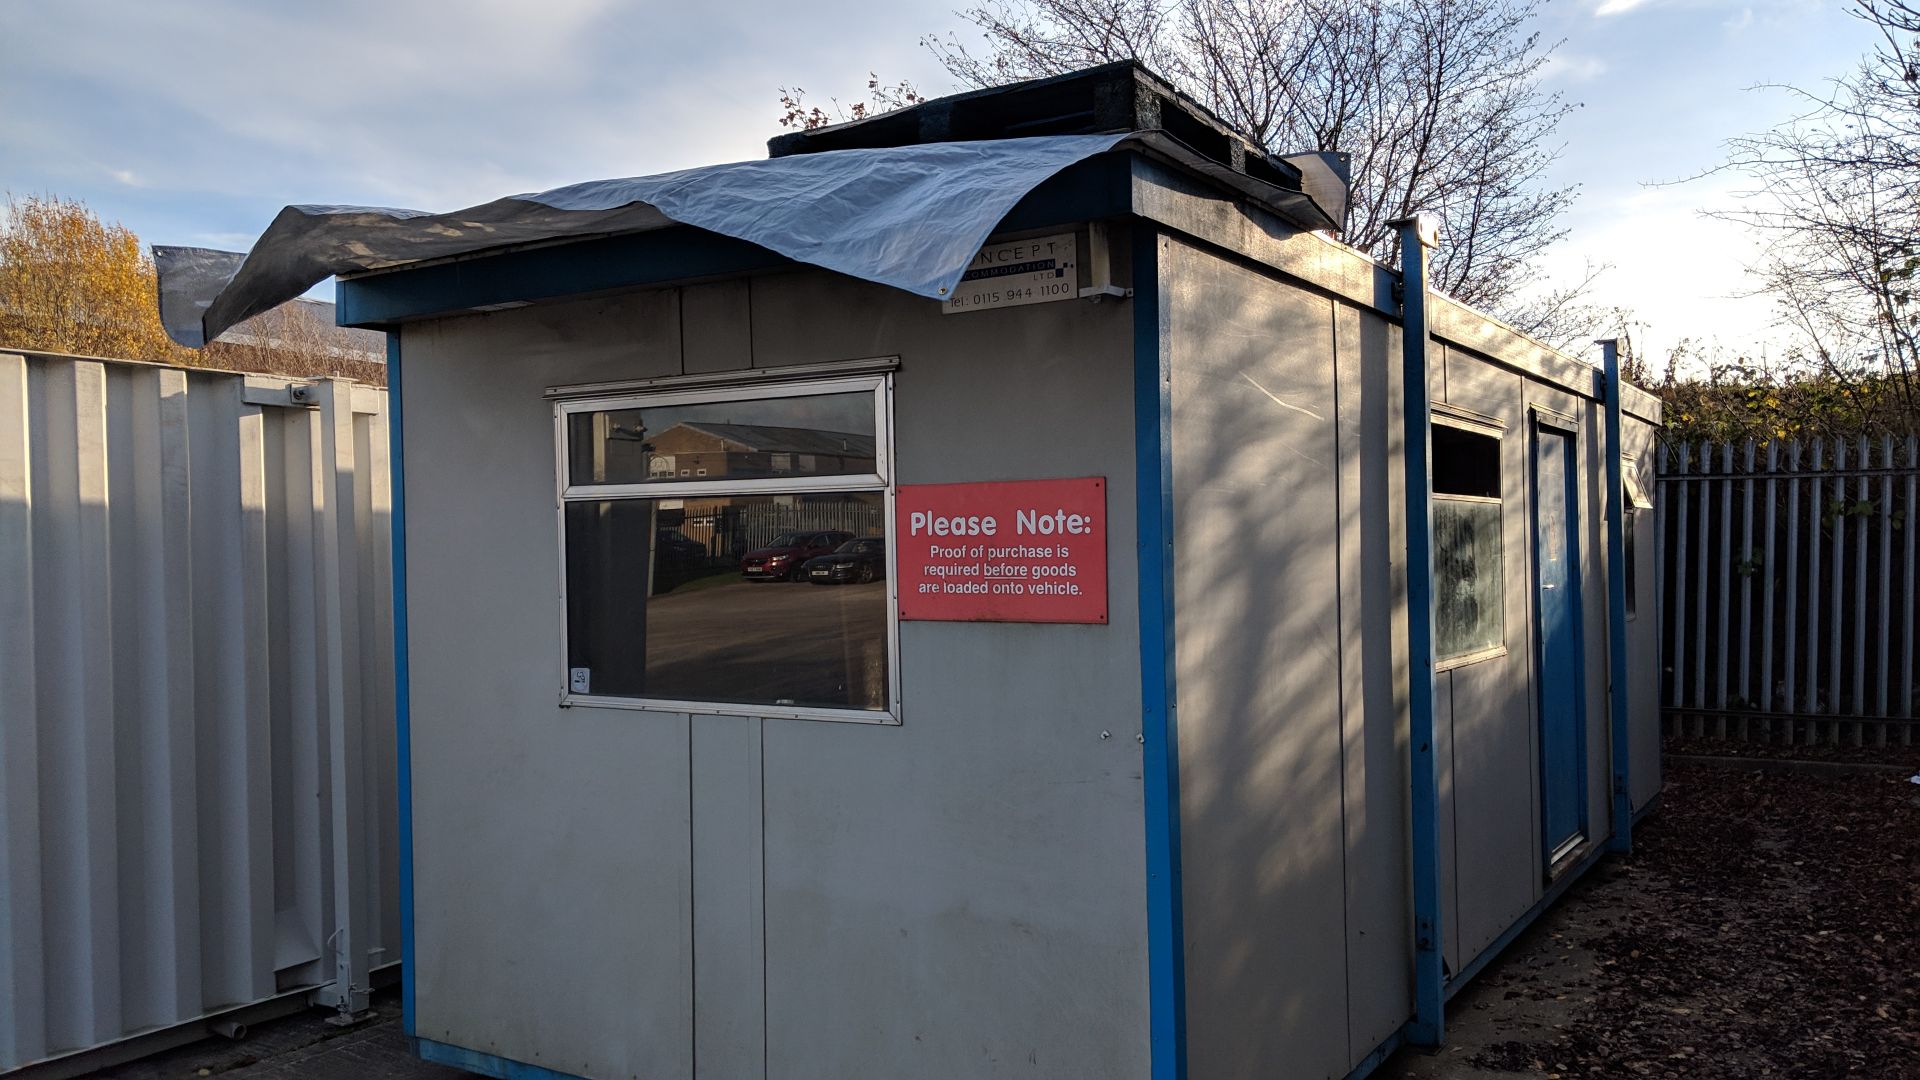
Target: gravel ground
column 1767, row 925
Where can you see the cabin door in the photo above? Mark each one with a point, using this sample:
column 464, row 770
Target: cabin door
column 1556, row 561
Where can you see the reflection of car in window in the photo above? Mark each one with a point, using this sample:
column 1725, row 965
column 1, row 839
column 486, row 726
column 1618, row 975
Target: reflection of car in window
column 675, row 549
column 782, row 559
column 696, row 480
column 861, row 560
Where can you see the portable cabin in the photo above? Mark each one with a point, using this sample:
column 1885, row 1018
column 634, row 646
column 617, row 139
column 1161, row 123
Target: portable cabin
column 836, row 646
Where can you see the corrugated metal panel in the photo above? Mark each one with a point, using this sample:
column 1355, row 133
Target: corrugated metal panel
column 196, row 697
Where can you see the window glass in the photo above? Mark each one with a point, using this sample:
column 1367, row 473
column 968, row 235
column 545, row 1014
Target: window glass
column 1467, row 577
column 776, row 600
column 1628, row 527
column 1469, row 591
column 1465, row 462
column 806, row 435
column 1635, row 496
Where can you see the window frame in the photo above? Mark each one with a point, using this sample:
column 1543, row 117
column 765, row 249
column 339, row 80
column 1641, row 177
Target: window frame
column 1633, row 499
column 880, row 481
column 1487, row 427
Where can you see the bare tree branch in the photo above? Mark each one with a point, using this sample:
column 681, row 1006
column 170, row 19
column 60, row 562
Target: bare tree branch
column 1438, row 101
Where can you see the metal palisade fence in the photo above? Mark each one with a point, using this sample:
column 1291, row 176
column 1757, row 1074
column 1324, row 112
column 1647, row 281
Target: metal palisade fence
column 1788, row 590
column 728, row 531
column 197, row 815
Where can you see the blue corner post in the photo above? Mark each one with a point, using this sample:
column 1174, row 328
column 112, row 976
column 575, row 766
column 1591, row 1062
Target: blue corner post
column 1160, row 752
column 1621, row 754
column 1428, row 1027
column 402, row 728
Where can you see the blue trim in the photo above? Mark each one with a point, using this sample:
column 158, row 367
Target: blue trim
column 402, row 713
column 1559, row 887
column 1620, row 755
column 1487, row 955
column 485, row 1064
column 1428, row 1027
column 1160, row 757
column 1380, row 1054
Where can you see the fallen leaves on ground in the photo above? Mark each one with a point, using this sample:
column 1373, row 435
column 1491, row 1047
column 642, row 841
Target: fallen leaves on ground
column 1772, row 929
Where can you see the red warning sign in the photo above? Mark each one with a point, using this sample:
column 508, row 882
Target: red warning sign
column 1011, row 551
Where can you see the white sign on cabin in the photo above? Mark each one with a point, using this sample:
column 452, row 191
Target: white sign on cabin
column 1017, row 272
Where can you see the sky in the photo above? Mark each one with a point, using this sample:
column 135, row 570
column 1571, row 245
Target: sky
column 193, row 122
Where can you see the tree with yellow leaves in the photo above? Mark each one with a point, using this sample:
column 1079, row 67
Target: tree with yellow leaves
column 71, row 283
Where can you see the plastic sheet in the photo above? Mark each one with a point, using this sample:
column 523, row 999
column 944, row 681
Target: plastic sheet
column 911, row 217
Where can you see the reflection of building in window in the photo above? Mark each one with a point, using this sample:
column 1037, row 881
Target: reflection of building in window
column 744, row 450
column 692, row 545
column 642, row 439
column 1469, row 595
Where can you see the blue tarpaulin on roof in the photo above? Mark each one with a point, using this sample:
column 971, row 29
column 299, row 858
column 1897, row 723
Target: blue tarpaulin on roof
column 911, row 217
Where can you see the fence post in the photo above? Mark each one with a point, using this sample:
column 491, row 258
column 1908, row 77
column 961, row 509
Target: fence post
column 1767, row 700
column 1836, row 632
column 1677, row 696
column 1660, row 572
column 1747, row 569
column 1908, row 588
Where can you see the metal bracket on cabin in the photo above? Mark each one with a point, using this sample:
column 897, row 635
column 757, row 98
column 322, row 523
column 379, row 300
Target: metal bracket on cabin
column 1099, row 266
column 298, row 395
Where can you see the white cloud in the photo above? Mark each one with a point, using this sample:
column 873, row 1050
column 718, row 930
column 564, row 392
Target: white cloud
column 1572, row 67
column 1618, row 7
column 432, row 104
column 1683, row 275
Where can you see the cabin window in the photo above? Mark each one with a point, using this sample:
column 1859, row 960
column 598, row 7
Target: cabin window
column 748, row 586
column 1469, row 594
column 1632, row 501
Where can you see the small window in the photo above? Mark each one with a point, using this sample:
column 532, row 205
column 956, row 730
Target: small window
column 1635, row 496
column 1633, row 500
column 1469, row 593
column 730, row 588
column 1465, row 462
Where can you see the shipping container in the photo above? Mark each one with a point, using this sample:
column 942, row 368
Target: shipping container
column 198, row 803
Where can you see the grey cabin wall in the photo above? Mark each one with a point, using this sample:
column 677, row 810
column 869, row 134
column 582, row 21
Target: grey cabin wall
column 1490, row 745
column 1289, row 670
column 1643, row 631
column 962, row 892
